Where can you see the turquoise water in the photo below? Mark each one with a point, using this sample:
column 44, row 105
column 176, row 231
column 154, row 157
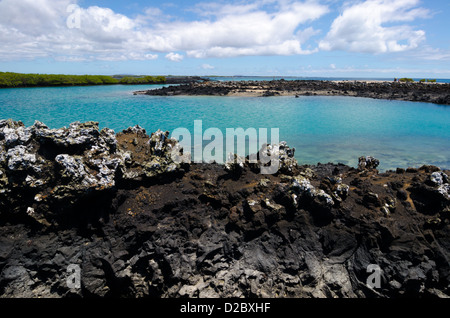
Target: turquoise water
column 322, row 129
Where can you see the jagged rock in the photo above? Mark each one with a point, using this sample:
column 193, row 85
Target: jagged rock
column 234, row 164
column 138, row 130
column 139, row 224
column 367, row 163
column 438, row 178
column 288, row 163
column 281, row 155
column 157, row 142
column 152, row 155
column 78, row 134
column 3, row 182
column 303, row 187
column 14, row 133
column 73, row 168
column 444, row 190
column 335, row 187
column 19, row 158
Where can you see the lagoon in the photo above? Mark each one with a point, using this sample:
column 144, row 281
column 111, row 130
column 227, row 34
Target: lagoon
column 321, row 128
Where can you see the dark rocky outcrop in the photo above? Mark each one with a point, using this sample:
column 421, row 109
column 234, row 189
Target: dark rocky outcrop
column 139, row 225
column 184, row 79
column 431, row 93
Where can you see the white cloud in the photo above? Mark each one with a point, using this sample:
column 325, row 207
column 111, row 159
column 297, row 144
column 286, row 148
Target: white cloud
column 34, row 28
column 430, row 54
column 286, row 48
column 32, row 16
column 362, row 27
column 249, row 30
column 38, row 28
column 174, row 57
column 140, row 56
column 306, row 34
column 219, row 9
column 207, row 67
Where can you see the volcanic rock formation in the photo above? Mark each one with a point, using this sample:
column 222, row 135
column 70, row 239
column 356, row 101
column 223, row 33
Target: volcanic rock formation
column 417, row 92
column 137, row 224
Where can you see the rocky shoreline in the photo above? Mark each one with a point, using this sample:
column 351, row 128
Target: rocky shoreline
column 184, row 79
column 139, row 225
column 419, row 92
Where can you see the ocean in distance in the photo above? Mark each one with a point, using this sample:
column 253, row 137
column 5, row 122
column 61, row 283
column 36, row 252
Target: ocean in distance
column 321, row 128
column 293, row 78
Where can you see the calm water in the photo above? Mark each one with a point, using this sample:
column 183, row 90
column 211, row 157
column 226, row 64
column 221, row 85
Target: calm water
column 322, row 129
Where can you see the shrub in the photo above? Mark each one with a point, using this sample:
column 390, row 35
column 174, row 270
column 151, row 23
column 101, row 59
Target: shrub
column 406, row 80
column 142, row 80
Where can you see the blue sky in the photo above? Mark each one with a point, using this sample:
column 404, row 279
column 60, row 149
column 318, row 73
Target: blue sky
column 353, row 38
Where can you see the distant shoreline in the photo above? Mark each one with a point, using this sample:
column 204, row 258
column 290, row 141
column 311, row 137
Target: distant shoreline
column 438, row 93
column 20, row 80
column 320, row 78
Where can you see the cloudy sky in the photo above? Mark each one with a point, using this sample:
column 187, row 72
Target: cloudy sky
column 350, row 38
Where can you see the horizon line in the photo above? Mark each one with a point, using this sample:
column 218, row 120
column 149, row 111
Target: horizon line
column 238, row 75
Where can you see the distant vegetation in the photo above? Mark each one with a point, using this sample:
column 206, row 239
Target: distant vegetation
column 8, row 79
column 410, row 80
column 406, row 80
column 142, row 80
